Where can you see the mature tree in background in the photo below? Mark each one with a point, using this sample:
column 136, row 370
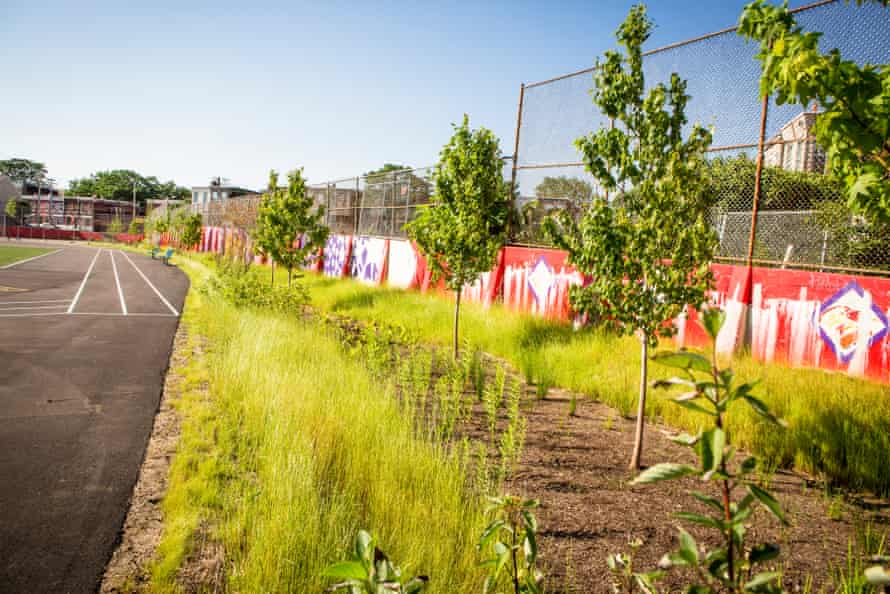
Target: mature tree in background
column 118, row 184
column 577, row 192
column 387, row 168
column 464, row 226
column 854, row 125
column 290, row 226
column 647, row 254
column 23, row 171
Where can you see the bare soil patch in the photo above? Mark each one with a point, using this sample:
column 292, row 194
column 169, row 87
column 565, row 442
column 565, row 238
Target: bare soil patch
column 577, row 467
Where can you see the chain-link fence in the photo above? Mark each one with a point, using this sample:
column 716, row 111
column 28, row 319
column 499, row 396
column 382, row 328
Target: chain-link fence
column 802, row 216
column 802, row 219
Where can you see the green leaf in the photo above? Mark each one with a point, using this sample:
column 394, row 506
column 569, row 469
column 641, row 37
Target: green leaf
column 645, row 581
column 696, row 407
column 768, row 501
column 699, row 519
column 762, row 579
column 490, row 532
column 688, row 550
column 683, row 360
column 712, row 320
column 712, row 444
column 707, row 500
column 346, row 570
column 761, row 409
column 685, row 439
column 663, row 472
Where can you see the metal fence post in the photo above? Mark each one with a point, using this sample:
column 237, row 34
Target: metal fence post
column 516, row 144
column 748, row 331
column 758, row 178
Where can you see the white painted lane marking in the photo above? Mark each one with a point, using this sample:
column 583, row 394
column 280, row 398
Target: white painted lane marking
column 86, row 313
column 39, row 301
column 31, row 259
column 129, row 315
column 33, row 307
column 154, row 288
column 84, row 282
column 117, row 280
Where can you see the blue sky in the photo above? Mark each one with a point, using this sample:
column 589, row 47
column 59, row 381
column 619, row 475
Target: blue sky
column 187, row 91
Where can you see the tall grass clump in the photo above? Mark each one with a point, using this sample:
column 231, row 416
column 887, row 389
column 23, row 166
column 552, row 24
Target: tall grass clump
column 305, row 448
column 838, row 426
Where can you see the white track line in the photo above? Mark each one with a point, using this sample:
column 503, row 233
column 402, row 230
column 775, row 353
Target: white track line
column 117, row 280
column 129, row 315
column 2, row 303
column 86, row 313
column 31, row 259
column 33, row 307
column 154, row 288
column 83, row 283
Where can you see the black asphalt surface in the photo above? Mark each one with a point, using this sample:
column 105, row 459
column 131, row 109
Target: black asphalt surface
column 80, row 383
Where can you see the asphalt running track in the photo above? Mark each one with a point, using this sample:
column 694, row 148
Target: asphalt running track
column 85, row 338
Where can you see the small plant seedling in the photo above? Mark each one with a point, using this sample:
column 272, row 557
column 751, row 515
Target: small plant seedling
column 513, row 437
column 624, row 578
column 511, row 538
column 369, row 571
column 732, row 566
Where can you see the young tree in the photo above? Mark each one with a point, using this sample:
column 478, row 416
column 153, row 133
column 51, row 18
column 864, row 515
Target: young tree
column 647, row 252
column 10, row 211
column 464, row 226
column 854, row 126
column 289, row 224
column 191, row 230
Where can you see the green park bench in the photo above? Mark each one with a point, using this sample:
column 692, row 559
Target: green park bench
column 167, row 255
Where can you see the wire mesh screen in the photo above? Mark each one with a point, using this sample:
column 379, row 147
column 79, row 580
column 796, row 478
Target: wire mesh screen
column 389, row 200
column 803, row 219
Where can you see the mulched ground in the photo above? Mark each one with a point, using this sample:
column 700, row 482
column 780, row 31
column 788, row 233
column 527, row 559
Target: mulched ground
column 577, row 467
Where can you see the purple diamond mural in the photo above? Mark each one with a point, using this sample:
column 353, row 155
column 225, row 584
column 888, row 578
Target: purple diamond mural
column 846, row 316
column 336, row 253
column 368, row 257
column 540, row 280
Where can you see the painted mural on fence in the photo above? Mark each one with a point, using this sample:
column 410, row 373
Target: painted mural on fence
column 487, row 288
column 403, row 269
column 369, row 259
column 811, row 319
column 538, row 281
column 801, row 318
column 337, row 250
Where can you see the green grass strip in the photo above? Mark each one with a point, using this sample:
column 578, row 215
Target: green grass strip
column 16, row 253
column 288, row 447
column 839, row 427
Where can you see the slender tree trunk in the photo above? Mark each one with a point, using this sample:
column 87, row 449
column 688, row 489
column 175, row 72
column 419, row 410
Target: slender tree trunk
column 273, row 273
column 456, row 323
column 288, row 276
column 641, row 407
